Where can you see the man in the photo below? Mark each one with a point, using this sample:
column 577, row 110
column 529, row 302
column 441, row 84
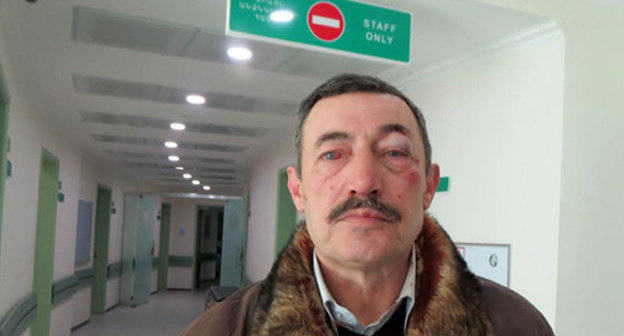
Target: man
column 367, row 260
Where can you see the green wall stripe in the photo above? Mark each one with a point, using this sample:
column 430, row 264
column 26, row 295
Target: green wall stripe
column 85, row 277
column 113, row 270
column 180, row 261
column 155, row 263
column 64, row 289
column 20, row 317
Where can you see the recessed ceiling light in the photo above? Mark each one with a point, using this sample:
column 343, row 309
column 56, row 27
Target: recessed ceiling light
column 196, row 182
column 174, row 158
column 179, row 168
column 178, row 126
column 239, row 53
column 282, row 16
column 171, row 144
column 187, row 176
column 206, row 187
column 195, row 99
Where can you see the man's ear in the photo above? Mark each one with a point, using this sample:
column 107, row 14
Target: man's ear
column 294, row 186
column 433, row 179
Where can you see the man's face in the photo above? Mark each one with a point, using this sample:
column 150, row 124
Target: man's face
column 362, row 146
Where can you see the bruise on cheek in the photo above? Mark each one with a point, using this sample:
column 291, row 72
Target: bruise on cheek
column 411, row 175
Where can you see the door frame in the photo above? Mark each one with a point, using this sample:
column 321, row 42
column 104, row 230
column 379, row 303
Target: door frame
column 286, row 213
column 4, row 138
column 101, row 240
column 196, row 253
column 163, row 247
column 45, row 239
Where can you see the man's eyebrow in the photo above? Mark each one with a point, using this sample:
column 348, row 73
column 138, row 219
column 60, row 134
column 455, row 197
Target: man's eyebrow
column 391, row 128
column 329, row 137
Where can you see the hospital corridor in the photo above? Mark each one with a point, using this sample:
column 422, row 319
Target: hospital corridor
column 145, row 147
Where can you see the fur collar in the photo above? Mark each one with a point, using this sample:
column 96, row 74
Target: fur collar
column 448, row 297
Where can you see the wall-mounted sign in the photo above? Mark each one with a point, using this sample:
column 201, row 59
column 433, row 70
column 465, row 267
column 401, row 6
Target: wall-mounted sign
column 490, row 261
column 338, row 26
column 444, row 184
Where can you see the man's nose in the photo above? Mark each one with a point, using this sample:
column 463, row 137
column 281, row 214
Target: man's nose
column 364, row 176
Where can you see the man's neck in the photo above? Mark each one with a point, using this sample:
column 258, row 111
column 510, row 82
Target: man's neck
column 366, row 292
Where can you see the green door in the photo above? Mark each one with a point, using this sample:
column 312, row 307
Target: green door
column 144, row 249
column 234, row 241
column 44, row 241
column 100, row 249
column 163, row 251
column 286, row 218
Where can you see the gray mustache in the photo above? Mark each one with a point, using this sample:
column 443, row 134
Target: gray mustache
column 370, row 202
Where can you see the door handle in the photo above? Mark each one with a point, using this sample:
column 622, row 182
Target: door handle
column 239, row 254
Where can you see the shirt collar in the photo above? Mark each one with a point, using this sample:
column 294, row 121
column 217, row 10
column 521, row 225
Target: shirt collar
column 342, row 316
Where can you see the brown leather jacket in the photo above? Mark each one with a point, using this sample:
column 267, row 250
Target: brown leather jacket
column 449, row 299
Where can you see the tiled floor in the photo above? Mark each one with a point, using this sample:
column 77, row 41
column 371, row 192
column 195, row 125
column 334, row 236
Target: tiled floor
column 166, row 314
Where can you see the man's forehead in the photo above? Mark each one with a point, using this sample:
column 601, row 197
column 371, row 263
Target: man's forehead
column 383, row 111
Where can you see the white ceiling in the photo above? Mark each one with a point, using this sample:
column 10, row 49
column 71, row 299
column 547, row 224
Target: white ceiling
column 111, row 75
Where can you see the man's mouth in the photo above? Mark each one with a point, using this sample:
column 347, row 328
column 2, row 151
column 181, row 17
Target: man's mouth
column 370, row 207
column 365, row 214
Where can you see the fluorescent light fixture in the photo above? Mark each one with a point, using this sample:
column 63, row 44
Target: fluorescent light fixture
column 206, row 187
column 179, row 168
column 171, row 144
column 174, row 158
column 282, row 16
column 196, row 182
column 177, row 126
column 195, row 99
column 187, row 176
column 239, row 53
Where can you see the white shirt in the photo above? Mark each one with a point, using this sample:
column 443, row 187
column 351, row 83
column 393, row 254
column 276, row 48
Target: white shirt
column 340, row 315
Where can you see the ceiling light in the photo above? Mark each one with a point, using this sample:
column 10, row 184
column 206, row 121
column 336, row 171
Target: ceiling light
column 282, row 16
column 174, row 158
column 206, row 187
column 179, row 168
column 239, row 53
column 187, row 176
column 177, row 126
column 196, row 182
column 195, row 99
column 171, row 144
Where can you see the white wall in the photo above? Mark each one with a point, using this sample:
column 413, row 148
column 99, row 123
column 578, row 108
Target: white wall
column 495, row 127
column 262, row 208
column 28, row 136
column 590, row 299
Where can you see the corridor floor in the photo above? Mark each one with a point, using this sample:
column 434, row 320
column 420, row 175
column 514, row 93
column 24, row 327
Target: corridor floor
column 166, row 314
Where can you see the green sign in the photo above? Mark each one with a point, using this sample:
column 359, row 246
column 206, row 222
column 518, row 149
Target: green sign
column 341, row 26
column 444, row 184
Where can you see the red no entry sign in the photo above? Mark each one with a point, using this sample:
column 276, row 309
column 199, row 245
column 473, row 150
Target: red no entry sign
column 326, row 21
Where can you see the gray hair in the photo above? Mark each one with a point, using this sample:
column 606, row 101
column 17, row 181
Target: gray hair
column 352, row 83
